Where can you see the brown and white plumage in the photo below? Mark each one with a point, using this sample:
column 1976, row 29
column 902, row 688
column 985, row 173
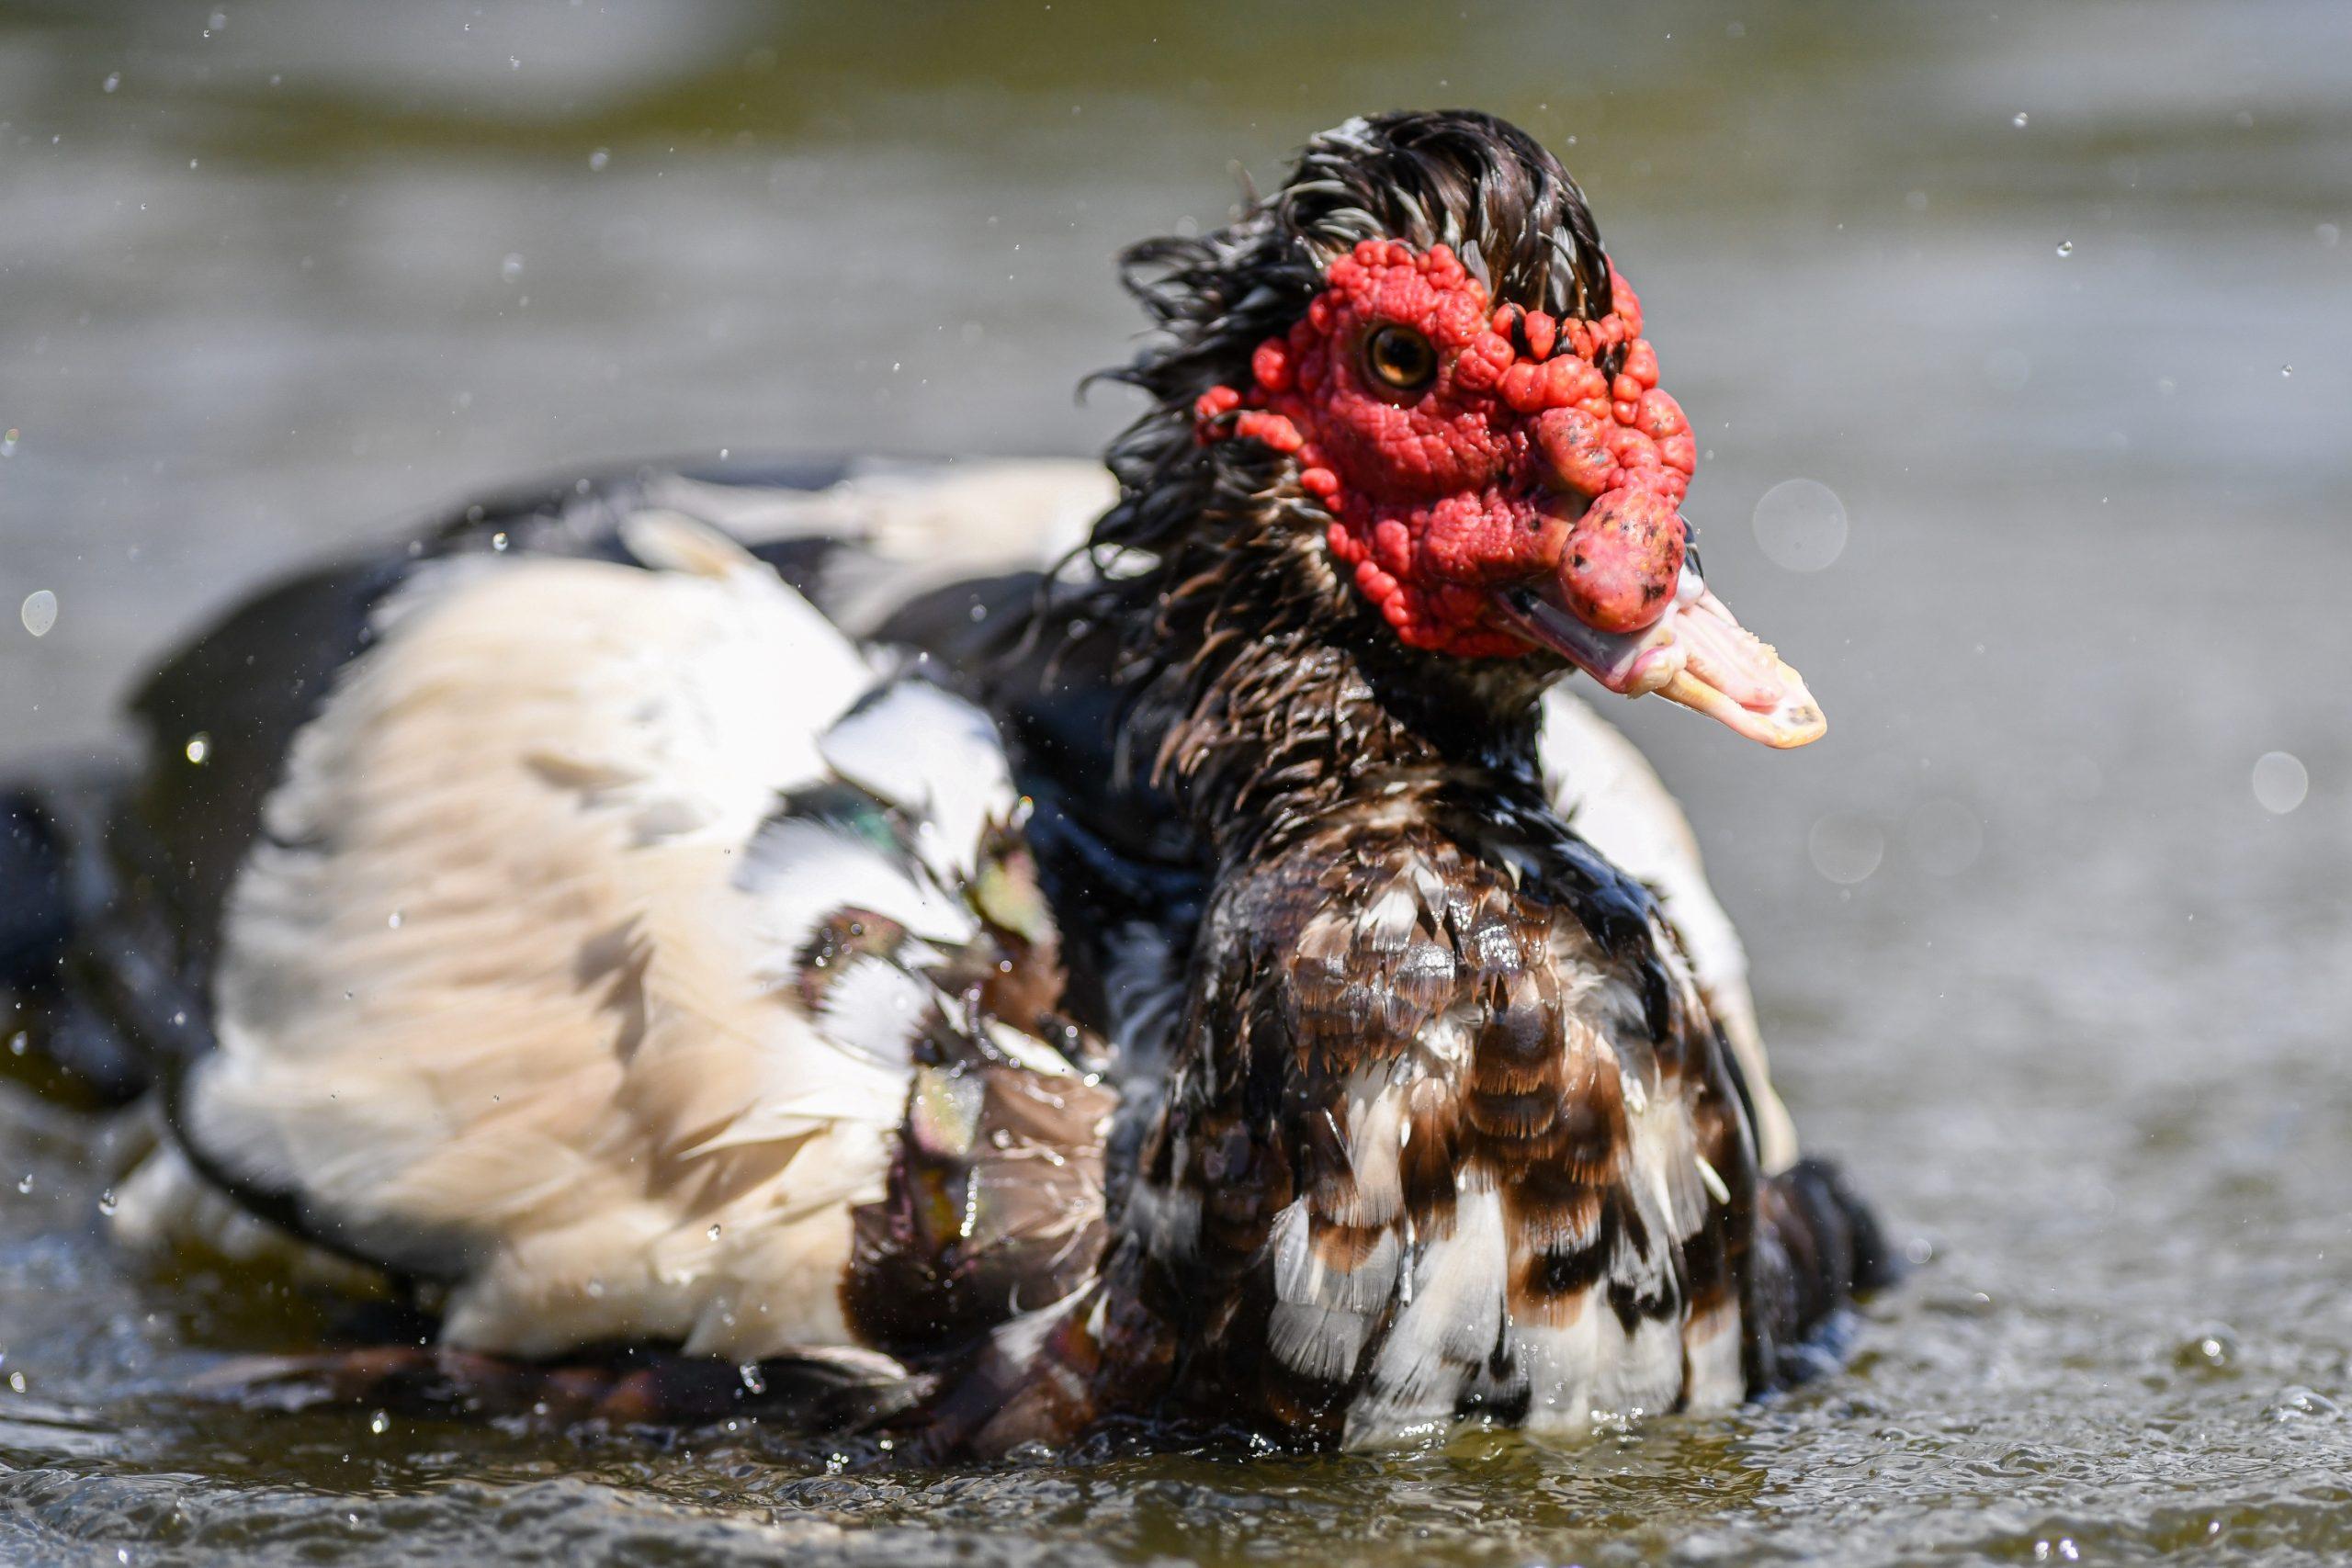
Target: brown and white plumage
column 511, row 995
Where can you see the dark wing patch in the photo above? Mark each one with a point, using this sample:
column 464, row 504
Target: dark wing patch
column 994, row 1206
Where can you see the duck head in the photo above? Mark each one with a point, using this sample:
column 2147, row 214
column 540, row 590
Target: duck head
column 1419, row 348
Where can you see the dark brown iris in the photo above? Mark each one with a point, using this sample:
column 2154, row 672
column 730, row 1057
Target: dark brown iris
column 1400, row 358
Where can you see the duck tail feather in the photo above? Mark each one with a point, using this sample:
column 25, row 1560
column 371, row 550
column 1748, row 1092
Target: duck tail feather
column 1823, row 1249
column 57, row 887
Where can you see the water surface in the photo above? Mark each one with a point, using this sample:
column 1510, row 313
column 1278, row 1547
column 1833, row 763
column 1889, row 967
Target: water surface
column 2055, row 301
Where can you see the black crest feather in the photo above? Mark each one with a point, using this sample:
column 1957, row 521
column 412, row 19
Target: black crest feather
column 1455, row 176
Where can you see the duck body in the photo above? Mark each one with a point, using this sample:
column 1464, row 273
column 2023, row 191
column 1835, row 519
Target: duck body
column 1163, row 993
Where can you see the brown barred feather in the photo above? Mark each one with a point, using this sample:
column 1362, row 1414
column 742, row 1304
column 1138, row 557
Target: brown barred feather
column 994, row 1206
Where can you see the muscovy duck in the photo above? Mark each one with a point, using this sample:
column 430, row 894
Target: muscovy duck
column 577, row 951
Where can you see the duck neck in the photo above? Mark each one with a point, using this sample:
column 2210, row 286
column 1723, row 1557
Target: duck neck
column 1286, row 695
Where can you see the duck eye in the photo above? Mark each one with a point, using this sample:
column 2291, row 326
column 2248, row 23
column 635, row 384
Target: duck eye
column 1400, row 358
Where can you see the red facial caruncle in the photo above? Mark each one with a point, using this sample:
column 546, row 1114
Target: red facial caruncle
column 1455, row 453
column 1498, row 479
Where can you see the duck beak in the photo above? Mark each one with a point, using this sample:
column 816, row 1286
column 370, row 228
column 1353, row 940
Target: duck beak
column 1696, row 654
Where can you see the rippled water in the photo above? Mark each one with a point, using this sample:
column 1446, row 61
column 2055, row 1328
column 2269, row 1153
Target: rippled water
column 2051, row 950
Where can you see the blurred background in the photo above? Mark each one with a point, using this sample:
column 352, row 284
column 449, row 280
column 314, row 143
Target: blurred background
column 2018, row 339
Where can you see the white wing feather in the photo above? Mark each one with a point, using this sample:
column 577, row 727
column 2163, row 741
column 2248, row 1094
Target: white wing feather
column 499, row 998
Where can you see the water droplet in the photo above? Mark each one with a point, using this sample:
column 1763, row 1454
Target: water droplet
column 2065, row 247
column 107, row 1203
column 1846, row 847
column 16, row 1382
column 38, row 611
column 2280, row 782
column 511, row 267
column 8, row 442
column 199, row 749
column 2297, row 1403
column 2286, row 370
column 380, row 1423
column 596, row 1289
column 2019, row 120
column 17, row 1041
column 712, row 1233
column 1945, row 837
column 598, row 160
column 753, row 1382
column 2328, row 234
column 2213, row 1347
column 1800, row 524
column 393, row 920
column 113, row 80
column 498, row 541
column 27, row 1184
